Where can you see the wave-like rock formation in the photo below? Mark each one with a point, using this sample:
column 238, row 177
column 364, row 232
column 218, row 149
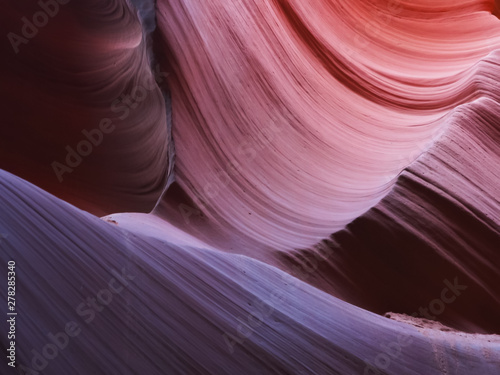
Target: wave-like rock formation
column 164, row 304
column 440, row 222
column 336, row 204
column 82, row 113
column 292, row 118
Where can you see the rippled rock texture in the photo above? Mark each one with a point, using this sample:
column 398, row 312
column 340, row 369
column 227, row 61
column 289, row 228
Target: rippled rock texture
column 331, row 206
column 82, row 114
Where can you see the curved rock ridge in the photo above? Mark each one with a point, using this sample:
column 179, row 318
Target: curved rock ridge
column 334, row 206
column 292, row 118
column 429, row 248
column 440, row 222
column 145, row 305
column 82, row 113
